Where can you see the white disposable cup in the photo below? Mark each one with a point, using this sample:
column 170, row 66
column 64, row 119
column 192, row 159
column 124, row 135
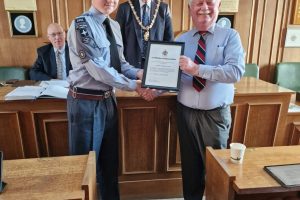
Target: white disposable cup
column 237, row 151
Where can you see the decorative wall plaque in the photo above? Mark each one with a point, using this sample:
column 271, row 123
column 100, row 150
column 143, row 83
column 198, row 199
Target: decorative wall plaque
column 296, row 19
column 22, row 23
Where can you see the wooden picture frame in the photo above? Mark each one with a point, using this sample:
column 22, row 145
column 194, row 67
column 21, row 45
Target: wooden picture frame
column 292, row 37
column 22, row 23
column 296, row 17
column 226, row 20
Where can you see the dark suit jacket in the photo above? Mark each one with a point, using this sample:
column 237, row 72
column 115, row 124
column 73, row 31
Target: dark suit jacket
column 131, row 31
column 45, row 67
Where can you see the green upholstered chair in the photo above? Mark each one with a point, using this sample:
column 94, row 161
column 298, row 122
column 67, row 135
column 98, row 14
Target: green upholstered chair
column 287, row 75
column 251, row 70
column 7, row 73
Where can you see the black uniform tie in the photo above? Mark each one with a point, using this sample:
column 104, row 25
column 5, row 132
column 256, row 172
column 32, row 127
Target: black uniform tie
column 114, row 55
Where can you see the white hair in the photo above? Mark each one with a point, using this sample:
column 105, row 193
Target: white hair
column 191, row 1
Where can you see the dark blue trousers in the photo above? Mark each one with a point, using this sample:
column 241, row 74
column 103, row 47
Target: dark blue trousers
column 93, row 126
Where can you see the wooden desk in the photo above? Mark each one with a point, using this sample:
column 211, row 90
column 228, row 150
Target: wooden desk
column 225, row 180
column 293, row 123
column 259, row 113
column 68, row 177
column 149, row 147
column 149, row 153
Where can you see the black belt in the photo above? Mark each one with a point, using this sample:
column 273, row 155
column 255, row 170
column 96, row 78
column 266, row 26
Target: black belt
column 217, row 108
column 82, row 93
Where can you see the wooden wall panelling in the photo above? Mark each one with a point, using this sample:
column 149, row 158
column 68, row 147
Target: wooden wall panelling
column 10, row 123
column 240, row 121
column 70, row 9
column 283, row 25
column 62, row 13
column 254, row 124
column 266, row 40
column 180, row 16
column 144, row 149
column 233, row 118
column 30, row 142
column 276, row 47
column 147, row 127
column 173, row 151
column 56, row 131
column 52, row 132
column 257, row 31
column 243, row 23
column 25, row 123
column 295, row 136
column 261, row 24
column 261, row 124
column 290, row 54
column 138, row 131
column 292, row 127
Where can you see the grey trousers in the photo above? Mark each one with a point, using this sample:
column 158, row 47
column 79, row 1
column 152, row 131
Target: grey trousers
column 198, row 129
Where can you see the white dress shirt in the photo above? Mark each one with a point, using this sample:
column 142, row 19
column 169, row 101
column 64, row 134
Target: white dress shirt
column 148, row 8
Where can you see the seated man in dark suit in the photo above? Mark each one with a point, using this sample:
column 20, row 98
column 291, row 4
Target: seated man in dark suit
column 135, row 17
column 53, row 61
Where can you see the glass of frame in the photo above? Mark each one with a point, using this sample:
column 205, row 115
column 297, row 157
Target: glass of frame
column 226, row 21
column 161, row 70
column 22, row 23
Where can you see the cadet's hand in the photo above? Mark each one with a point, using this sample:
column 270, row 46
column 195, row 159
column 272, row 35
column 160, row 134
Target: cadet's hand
column 149, row 94
column 146, row 93
column 139, row 74
column 138, row 88
column 188, row 66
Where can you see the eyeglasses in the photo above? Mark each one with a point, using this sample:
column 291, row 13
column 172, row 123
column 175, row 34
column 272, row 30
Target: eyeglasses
column 53, row 35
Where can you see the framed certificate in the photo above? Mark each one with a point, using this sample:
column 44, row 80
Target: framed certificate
column 161, row 69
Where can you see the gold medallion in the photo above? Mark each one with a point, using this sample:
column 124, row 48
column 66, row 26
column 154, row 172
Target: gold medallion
column 146, row 35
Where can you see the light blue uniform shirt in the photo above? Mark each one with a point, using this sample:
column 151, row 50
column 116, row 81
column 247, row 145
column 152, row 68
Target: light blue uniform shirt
column 90, row 55
column 224, row 65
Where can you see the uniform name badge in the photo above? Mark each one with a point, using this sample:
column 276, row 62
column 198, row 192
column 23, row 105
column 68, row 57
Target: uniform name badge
column 161, row 69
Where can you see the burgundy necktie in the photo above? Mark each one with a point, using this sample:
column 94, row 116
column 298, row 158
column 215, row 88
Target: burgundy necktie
column 198, row 82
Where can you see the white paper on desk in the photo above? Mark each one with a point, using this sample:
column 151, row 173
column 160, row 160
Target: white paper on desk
column 62, row 83
column 54, row 91
column 25, row 92
column 33, row 92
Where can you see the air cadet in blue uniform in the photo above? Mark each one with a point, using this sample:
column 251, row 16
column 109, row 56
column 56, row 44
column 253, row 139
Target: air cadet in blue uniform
column 96, row 53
